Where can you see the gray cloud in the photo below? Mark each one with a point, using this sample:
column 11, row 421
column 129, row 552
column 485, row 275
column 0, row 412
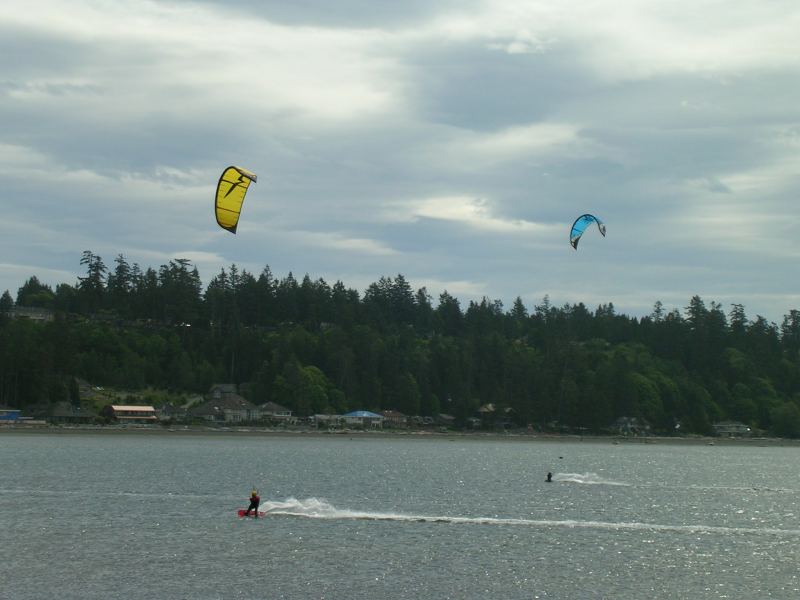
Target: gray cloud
column 344, row 14
column 454, row 144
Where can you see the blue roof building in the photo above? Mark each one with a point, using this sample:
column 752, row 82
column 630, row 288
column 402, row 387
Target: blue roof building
column 9, row 414
column 363, row 413
column 364, row 418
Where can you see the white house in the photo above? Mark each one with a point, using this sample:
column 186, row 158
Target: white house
column 276, row 412
column 731, row 429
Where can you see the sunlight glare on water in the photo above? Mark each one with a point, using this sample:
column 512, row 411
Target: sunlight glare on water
column 154, row 516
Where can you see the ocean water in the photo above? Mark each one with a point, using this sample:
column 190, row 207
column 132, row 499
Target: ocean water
column 146, row 515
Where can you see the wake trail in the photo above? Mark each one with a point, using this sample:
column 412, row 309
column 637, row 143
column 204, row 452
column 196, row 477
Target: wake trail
column 595, row 479
column 586, row 479
column 314, row 508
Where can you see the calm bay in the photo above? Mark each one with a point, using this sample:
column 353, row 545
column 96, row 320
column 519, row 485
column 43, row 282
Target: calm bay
column 152, row 515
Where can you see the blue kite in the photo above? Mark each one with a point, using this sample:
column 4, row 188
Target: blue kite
column 580, row 225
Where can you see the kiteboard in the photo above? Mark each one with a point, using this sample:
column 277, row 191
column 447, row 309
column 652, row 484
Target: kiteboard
column 242, row 512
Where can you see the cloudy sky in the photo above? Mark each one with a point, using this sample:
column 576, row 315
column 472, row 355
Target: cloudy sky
column 451, row 141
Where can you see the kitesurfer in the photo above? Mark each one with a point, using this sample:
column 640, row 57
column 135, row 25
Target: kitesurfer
column 254, row 502
column 549, row 477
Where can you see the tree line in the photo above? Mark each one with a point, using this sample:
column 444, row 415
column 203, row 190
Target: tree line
column 317, row 348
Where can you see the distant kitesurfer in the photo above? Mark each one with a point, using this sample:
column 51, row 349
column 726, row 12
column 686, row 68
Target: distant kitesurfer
column 254, row 502
column 549, row 477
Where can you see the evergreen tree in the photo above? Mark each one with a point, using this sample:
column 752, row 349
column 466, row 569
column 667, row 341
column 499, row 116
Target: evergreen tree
column 6, row 302
column 448, row 314
column 36, row 294
column 424, row 320
column 92, row 287
column 790, row 334
column 320, row 348
column 119, row 286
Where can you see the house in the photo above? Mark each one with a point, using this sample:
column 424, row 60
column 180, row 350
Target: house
column 218, row 390
column 124, row 413
column 65, row 412
column 32, row 313
column 495, row 416
column 226, row 406
column 487, row 409
column 277, row 413
column 363, row 418
column 326, row 420
column 631, row 426
column 172, row 412
column 731, row 429
column 8, row 414
column 445, row 420
column 393, row 418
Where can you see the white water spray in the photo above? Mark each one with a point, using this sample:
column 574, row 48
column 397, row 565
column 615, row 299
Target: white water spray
column 315, row 508
column 585, row 478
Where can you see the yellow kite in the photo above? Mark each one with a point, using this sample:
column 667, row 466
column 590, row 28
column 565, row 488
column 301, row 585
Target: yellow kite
column 231, row 190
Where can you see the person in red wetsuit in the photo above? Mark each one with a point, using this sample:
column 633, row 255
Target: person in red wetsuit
column 254, row 502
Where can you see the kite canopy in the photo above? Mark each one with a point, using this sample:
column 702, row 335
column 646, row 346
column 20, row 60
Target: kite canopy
column 231, row 190
column 580, row 225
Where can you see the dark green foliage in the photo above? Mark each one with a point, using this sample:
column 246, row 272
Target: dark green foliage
column 35, row 294
column 317, row 348
column 92, row 288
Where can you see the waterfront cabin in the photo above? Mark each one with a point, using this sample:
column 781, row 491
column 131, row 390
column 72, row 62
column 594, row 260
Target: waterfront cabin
column 123, row 413
column 170, row 412
column 631, row 426
column 364, row 418
column 496, row 417
column 393, row 418
column 66, row 412
column 220, row 390
column 225, row 405
column 329, row 421
column 9, row 415
column 229, row 408
column 445, row 420
column 277, row 413
column 731, row 429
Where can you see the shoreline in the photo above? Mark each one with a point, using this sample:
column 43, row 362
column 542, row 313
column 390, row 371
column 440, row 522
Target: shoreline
column 415, row 434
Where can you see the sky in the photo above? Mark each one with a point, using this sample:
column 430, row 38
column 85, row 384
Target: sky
column 452, row 142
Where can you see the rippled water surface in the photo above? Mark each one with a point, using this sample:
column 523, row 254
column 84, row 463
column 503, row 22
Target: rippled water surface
column 145, row 515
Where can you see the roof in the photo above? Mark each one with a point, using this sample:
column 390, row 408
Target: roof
column 630, row 420
column 225, row 388
column 363, row 413
column 227, row 402
column 392, row 414
column 171, row 409
column 273, row 407
column 66, row 409
column 117, row 407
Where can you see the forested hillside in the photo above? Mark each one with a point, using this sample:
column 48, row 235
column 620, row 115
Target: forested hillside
column 316, row 347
